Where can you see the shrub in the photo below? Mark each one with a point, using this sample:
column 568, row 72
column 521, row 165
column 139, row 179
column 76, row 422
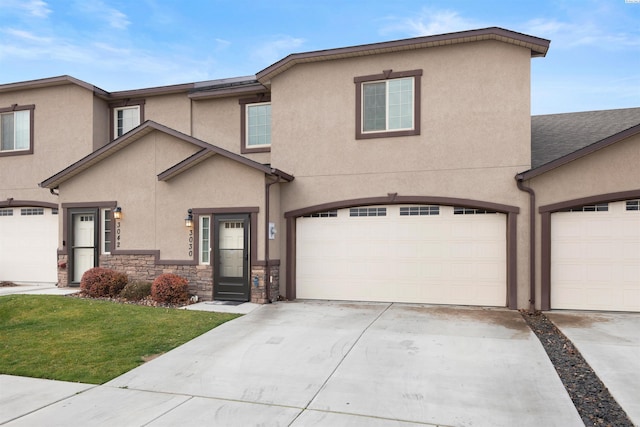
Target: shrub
column 100, row 282
column 135, row 291
column 170, row 289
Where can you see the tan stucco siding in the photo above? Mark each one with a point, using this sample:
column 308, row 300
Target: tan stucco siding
column 154, row 211
column 609, row 170
column 62, row 133
column 100, row 123
column 170, row 110
column 217, row 121
column 475, row 113
column 216, row 183
column 129, row 177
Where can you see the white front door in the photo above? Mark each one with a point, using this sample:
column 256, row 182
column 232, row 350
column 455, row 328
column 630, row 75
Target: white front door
column 84, row 243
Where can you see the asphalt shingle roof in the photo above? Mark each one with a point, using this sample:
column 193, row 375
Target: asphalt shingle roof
column 556, row 135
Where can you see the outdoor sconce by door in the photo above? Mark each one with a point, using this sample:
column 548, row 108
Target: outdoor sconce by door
column 117, row 213
column 188, row 220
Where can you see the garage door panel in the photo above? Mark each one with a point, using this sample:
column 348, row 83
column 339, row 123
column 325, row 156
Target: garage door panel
column 28, row 245
column 595, row 259
column 429, row 259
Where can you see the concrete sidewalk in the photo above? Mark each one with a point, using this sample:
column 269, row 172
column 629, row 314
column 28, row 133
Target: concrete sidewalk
column 37, row 289
column 326, row 363
column 610, row 343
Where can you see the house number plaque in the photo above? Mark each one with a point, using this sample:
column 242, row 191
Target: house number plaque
column 190, row 243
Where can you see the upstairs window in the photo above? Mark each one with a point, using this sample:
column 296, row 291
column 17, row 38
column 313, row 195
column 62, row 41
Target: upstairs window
column 388, row 104
column 16, row 135
column 125, row 119
column 125, row 116
column 255, row 124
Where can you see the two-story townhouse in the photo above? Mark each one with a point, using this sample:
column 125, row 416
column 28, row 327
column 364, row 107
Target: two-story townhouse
column 44, row 125
column 414, row 180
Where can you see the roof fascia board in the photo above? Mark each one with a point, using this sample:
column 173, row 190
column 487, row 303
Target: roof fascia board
column 49, row 82
column 599, row 145
column 159, row 90
column 187, row 163
column 228, row 91
column 538, row 47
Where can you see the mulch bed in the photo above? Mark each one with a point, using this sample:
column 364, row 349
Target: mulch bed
column 147, row 301
column 590, row 396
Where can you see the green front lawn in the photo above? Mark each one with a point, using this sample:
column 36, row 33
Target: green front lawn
column 90, row 341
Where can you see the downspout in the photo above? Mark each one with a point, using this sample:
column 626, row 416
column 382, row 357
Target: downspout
column 53, row 191
column 532, row 240
column 267, row 267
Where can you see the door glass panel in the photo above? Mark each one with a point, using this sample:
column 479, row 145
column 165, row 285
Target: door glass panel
column 83, row 244
column 231, row 248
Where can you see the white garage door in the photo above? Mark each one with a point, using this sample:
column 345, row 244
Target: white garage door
column 595, row 257
column 28, row 245
column 418, row 254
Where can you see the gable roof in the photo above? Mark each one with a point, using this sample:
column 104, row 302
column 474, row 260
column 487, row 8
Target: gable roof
column 557, row 139
column 144, row 129
column 538, row 47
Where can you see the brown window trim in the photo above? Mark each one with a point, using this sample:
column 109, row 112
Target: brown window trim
column 123, row 103
column 16, row 107
column 262, row 97
column 388, row 75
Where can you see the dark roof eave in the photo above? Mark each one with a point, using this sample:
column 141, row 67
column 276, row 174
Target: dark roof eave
column 228, row 91
column 599, row 145
column 538, row 47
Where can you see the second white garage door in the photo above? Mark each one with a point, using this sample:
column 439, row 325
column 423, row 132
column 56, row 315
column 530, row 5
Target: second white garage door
column 28, row 245
column 595, row 257
column 416, row 254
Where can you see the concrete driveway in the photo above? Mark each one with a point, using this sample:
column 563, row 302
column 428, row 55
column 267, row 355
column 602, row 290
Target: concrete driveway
column 610, row 343
column 333, row 363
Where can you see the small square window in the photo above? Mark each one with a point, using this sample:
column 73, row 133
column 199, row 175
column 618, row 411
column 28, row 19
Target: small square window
column 125, row 116
column 6, row 212
column 125, row 119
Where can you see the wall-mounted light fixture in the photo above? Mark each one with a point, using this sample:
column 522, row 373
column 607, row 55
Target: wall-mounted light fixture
column 188, row 220
column 117, row 213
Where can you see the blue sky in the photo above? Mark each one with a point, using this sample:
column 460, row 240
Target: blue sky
column 593, row 62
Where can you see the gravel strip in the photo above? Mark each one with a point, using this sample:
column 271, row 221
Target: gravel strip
column 590, row 396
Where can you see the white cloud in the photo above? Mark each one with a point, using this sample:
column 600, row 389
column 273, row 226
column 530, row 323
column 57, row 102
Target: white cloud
column 98, row 10
column 221, row 44
column 274, row 50
column 26, row 36
column 587, row 33
column 36, row 8
column 430, row 21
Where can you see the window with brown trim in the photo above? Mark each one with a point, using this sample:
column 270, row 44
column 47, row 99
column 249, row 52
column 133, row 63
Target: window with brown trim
column 388, row 104
column 16, row 130
column 124, row 116
column 255, row 124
